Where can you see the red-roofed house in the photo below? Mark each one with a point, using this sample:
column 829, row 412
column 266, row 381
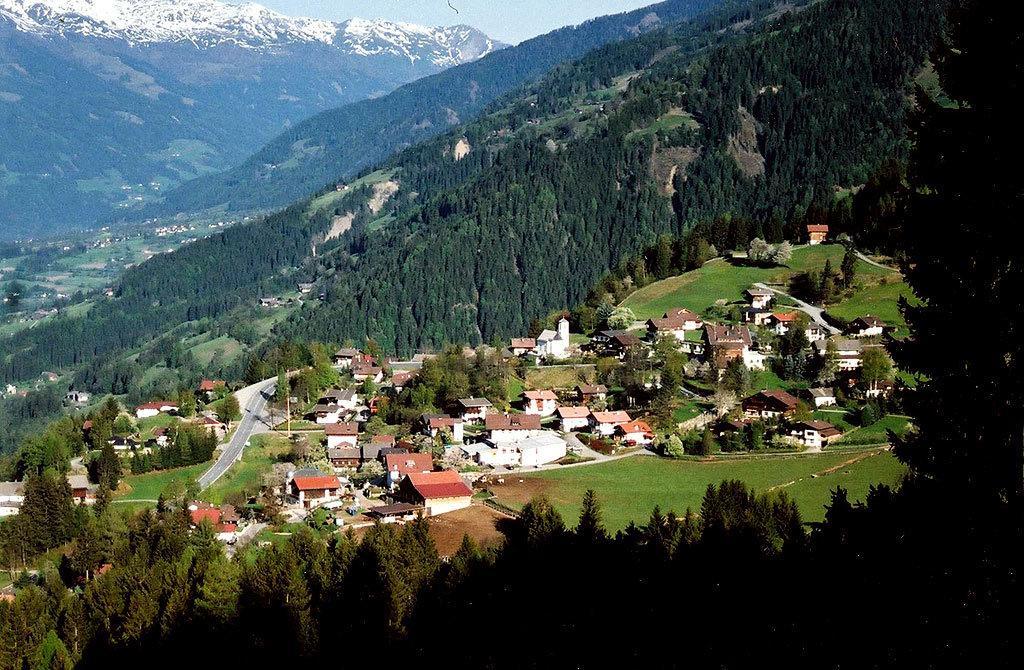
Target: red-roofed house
column 438, row 492
column 510, row 427
column 604, row 423
column 574, row 418
column 342, row 434
column 400, row 465
column 153, row 408
column 208, row 388
column 224, row 519
column 634, row 432
column 542, row 403
column 522, row 345
column 770, row 404
column 817, row 233
column 316, row 490
column 814, row 434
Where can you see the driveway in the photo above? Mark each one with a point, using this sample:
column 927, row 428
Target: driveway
column 816, row 313
column 253, row 401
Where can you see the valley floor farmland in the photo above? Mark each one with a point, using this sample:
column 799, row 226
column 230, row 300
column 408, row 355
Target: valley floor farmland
column 630, row 488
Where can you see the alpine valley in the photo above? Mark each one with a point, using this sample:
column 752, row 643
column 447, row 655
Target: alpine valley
column 155, row 92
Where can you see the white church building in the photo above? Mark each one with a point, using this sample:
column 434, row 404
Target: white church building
column 554, row 344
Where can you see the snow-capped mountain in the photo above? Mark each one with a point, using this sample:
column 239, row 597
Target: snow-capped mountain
column 106, row 104
column 208, row 23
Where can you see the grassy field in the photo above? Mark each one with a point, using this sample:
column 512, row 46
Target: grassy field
column 150, row 485
column 630, row 488
column 559, row 377
column 877, row 433
column 879, row 299
column 722, row 280
column 247, row 474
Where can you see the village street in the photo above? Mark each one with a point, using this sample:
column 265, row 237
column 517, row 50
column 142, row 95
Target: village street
column 816, row 313
column 253, row 401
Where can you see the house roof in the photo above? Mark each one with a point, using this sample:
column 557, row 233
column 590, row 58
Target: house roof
column 821, row 393
column 682, row 313
column 666, row 323
column 729, row 336
column 81, row 482
column 784, row 317
column 540, row 395
column 573, row 412
column 592, row 389
column 210, row 384
column 523, row 343
column 634, row 427
column 346, row 453
column 316, row 483
column 611, row 417
column 157, row 405
column 472, row 403
column 204, row 421
column 382, row 439
column 776, row 397
column 444, row 484
column 626, row 339
column 870, row 321
column 402, row 378
column 346, row 352
column 395, row 509
column 753, row 291
column 823, row 427
column 512, row 422
column 817, row 228
column 342, row 429
column 211, row 514
column 406, row 463
column 443, row 421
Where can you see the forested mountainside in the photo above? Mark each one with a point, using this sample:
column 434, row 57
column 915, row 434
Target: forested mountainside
column 560, row 182
column 154, row 93
column 340, row 142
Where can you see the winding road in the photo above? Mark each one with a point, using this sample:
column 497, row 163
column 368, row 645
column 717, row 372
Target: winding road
column 253, row 402
column 816, row 313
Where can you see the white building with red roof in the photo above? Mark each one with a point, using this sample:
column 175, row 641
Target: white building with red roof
column 313, row 490
column 604, row 423
column 437, row 492
column 342, row 434
column 541, row 403
column 573, row 418
column 149, row 409
column 635, row 432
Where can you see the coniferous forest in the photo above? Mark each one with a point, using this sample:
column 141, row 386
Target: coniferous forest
column 924, row 575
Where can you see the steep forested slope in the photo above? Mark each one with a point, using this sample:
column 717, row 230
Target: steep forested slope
column 340, row 142
column 753, row 112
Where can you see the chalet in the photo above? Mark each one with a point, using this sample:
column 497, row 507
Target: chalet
column 474, row 409
column 675, row 323
column 780, row 322
column 573, row 418
column 822, row 397
column 12, row 496
column 326, row 413
column 758, row 297
column 344, row 357
column 522, row 345
column 208, row 388
column 604, row 423
column 400, row 465
column 223, row 518
column 346, row 399
column 363, row 371
column 511, row 427
column 395, row 513
column 383, row 452
column 305, row 287
column 554, row 343
column 815, row 333
column 401, row 379
column 880, row 389
column 730, row 426
column 725, row 343
column 542, row 403
column 770, row 404
column 437, row 492
column 816, row 233
column 160, row 437
column 432, row 424
column 849, row 353
column 383, row 440
column 345, row 457
column 149, row 409
column 866, row 326
column 342, row 434
column 615, row 342
column 588, row 393
column 814, row 434
column 313, row 490
column 637, row 433
column 530, row 452
column 756, row 315
column 122, row 442
column 82, row 491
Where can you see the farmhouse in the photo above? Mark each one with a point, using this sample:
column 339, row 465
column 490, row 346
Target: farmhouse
column 343, row 398
column 343, row 357
column 326, row 413
column 208, row 388
column 554, row 343
column 511, row 427
column 474, row 409
column 770, row 404
column 814, row 434
column 312, row 490
column 522, row 346
column 149, row 409
column 849, row 353
column 12, row 495
column 726, row 343
column 758, row 297
column 634, row 433
column 588, row 393
column 756, row 315
column 437, row 492
column 604, row 423
column 342, row 434
column 401, row 379
column 400, row 465
column 223, row 518
column 573, row 418
column 432, row 424
column 822, row 397
column 82, row 491
column 530, row 452
column 363, row 371
column 816, row 233
column 542, row 403
column 345, row 456
column 866, row 326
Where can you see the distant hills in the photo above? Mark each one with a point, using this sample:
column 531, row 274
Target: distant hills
column 338, row 143
column 106, row 105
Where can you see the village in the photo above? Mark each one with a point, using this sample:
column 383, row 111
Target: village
column 340, row 464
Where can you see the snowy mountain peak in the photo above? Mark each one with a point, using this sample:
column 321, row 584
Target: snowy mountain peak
column 207, row 23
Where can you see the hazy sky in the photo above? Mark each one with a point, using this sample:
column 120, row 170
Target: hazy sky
column 507, row 20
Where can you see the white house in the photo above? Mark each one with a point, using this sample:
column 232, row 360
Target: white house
column 573, row 418
column 604, row 423
column 434, row 423
column 520, row 346
column 343, row 357
column 326, row 413
column 759, row 297
column 849, row 353
column 12, row 495
column 554, row 343
column 676, row 323
column 530, row 452
column 511, row 427
column 822, row 397
column 347, row 399
column 315, row 489
column 866, row 326
column 635, row 432
column 542, row 403
column 153, row 408
column 814, row 434
column 342, row 435
column 474, row 409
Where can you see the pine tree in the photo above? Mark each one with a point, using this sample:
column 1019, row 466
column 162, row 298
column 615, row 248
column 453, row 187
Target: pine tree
column 590, row 529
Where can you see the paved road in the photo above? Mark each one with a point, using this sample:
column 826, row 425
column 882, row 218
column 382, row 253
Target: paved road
column 253, row 401
column 807, row 308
